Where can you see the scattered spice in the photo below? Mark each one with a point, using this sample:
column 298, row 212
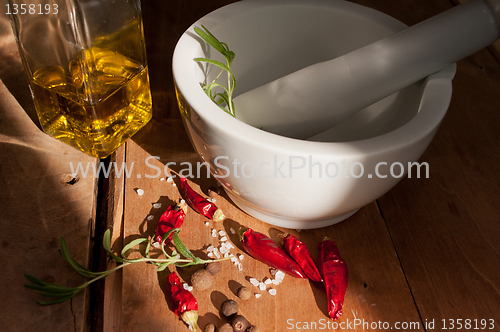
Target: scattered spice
column 262, row 248
column 201, row 279
column 172, row 218
column 239, row 323
column 229, row 308
column 209, row 328
column 184, row 303
column 225, row 328
column 201, row 204
column 300, row 253
column 213, row 267
column 244, row 293
column 334, row 271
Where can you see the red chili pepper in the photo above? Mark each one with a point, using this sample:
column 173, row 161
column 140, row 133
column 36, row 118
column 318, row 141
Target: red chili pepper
column 200, row 203
column 267, row 251
column 300, row 253
column 184, row 303
column 172, row 218
column 334, row 271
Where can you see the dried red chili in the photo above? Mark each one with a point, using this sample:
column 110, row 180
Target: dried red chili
column 184, row 303
column 300, row 253
column 264, row 249
column 334, row 271
column 200, row 204
column 172, row 218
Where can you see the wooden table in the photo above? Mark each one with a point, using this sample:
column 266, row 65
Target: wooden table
column 426, row 252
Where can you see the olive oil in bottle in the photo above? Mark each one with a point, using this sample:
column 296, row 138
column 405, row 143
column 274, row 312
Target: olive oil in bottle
column 101, row 100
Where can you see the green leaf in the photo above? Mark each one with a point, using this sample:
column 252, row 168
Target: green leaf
column 162, row 267
column 74, row 264
column 133, row 244
column 106, row 243
column 210, row 39
column 229, row 55
column 148, row 247
column 215, row 63
column 181, row 248
column 55, row 289
column 59, row 300
column 35, row 280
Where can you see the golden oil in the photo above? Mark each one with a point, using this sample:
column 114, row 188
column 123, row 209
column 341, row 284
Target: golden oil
column 101, row 100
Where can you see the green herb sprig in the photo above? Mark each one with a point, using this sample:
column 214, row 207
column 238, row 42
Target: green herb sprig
column 223, row 99
column 60, row 293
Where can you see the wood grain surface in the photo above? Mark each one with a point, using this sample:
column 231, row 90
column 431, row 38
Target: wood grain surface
column 426, row 252
column 423, row 253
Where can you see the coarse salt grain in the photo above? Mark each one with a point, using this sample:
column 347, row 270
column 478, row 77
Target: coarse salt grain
column 272, row 291
column 213, row 200
column 273, row 271
column 139, row 192
column 262, row 286
column 232, row 230
column 241, row 257
column 222, row 233
column 268, row 281
column 190, row 288
column 240, row 267
column 210, row 248
column 280, row 276
column 185, row 286
column 235, row 260
column 254, row 282
column 223, row 238
column 226, row 255
column 157, row 205
column 173, row 184
column 210, row 254
column 162, row 179
column 169, row 179
column 276, row 282
column 258, row 295
column 207, row 223
column 150, row 217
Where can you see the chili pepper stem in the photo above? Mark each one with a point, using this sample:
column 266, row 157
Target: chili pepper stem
column 241, row 232
column 218, row 215
column 191, row 319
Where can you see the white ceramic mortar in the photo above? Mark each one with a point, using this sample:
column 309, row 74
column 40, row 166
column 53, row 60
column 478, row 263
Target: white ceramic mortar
column 272, row 39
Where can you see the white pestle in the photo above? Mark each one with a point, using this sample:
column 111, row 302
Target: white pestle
column 316, row 98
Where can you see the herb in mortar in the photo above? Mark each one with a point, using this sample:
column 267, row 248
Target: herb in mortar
column 223, row 99
column 61, row 293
